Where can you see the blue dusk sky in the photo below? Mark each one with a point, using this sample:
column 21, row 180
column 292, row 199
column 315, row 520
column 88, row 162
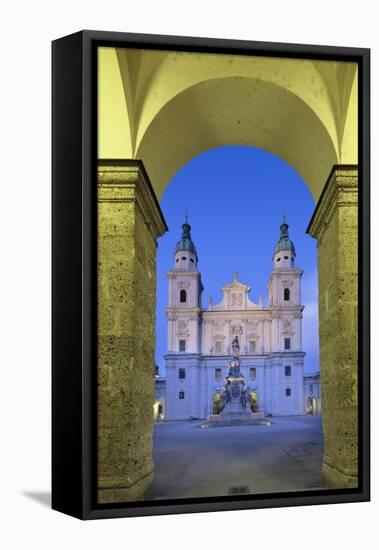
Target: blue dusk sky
column 235, row 197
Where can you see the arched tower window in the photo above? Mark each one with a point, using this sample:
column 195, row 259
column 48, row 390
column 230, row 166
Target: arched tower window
column 286, row 294
column 183, row 296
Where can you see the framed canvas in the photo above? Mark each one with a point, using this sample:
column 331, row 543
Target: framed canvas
column 210, row 275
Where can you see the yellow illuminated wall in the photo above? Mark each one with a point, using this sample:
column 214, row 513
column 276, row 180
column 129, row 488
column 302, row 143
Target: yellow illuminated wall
column 167, row 107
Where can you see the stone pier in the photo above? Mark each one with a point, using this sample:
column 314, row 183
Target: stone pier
column 335, row 226
column 129, row 222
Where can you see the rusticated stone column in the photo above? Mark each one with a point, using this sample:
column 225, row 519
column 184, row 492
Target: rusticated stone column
column 335, row 226
column 129, row 222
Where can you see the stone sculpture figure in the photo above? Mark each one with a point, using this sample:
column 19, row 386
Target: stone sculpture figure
column 235, row 346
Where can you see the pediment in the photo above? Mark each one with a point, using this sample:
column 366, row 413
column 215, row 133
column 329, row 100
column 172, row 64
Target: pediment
column 236, row 285
column 235, row 297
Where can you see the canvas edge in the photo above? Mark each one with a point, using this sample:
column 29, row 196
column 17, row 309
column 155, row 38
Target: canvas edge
column 82, row 504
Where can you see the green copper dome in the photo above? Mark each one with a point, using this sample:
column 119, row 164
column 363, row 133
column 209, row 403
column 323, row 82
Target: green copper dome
column 284, row 242
column 186, row 243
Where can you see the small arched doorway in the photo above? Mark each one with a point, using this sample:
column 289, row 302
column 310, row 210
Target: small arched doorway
column 158, row 410
column 311, row 405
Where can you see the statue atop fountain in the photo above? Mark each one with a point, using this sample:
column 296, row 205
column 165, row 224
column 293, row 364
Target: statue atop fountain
column 234, row 393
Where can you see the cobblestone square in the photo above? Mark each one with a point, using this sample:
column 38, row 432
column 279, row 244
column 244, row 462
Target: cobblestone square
column 191, row 461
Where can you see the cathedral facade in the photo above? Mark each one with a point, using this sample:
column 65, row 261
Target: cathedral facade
column 199, row 340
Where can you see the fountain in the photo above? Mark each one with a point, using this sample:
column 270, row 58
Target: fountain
column 234, row 400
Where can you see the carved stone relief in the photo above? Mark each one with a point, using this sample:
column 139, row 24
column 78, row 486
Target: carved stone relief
column 219, row 326
column 236, row 329
column 236, row 299
column 182, row 328
column 183, row 284
column 287, row 326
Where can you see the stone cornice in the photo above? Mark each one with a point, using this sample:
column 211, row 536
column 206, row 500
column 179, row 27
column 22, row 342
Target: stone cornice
column 127, row 181
column 278, row 311
column 179, row 273
column 181, row 355
column 341, row 189
column 287, row 271
column 183, row 309
column 287, row 354
column 246, row 314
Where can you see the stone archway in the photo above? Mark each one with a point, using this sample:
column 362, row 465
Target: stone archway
column 156, row 111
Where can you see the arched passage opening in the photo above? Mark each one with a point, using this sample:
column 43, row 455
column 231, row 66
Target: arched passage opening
column 211, row 109
column 159, row 410
column 216, row 403
column 312, row 405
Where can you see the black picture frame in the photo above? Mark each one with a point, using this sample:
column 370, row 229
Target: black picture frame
column 74, row 152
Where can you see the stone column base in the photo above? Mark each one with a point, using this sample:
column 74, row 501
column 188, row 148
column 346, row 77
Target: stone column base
column 116, row 491
column 335, row 479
